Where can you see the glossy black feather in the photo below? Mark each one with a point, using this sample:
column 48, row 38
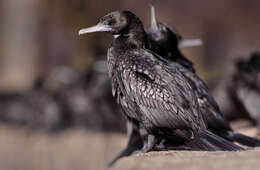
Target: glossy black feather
column 208, row 106
column 159, row 93
column 155, row 95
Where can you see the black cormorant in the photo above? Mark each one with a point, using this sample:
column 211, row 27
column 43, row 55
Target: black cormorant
column 246, row 83
column 155, row 95
column 34, row 108
column 158, row 43
column 87, row 97
column 166, row 40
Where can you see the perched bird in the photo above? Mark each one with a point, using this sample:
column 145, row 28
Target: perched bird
column 87, row 97
column 66, row 98
column 154, row 94
column 34, row 108
column 158, row 43
column 246, row 83
column 167, row 41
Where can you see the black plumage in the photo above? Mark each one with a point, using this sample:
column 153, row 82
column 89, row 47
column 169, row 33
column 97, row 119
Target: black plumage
column 64, row 99
column 155, row 95
column 164, row 40
column 34, row 108
column 246, row 86
column 135, row 143
column 163, row 34
column 86, row 97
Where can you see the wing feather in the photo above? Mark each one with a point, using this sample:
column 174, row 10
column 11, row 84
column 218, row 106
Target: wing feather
column 163, row 95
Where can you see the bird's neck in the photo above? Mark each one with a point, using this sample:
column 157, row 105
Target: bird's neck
column 124, row 42
column 132, row 36
column 175, row 53
column 133, row 39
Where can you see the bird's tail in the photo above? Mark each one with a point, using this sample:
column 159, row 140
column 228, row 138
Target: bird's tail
column 210, row 142
column 245, row 140
column 126, row 152
column 135, row 143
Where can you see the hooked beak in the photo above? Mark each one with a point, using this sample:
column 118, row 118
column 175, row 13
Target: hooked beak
column 154, row 25
column 96, row 28
column 190, row 43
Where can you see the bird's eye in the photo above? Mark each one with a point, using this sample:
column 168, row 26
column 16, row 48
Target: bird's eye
column 106, row 23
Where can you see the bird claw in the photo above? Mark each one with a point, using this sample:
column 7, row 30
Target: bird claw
column 161, row 146
column 144, row 149
column 148, row 145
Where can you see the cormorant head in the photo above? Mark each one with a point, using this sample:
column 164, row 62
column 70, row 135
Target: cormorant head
column 255, row 61
column 161, row 33
column 118, row 22
column 167, row 37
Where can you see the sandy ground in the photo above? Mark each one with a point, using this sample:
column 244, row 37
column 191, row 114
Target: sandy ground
column 23, row 149
column 72, row 150
column 185, row 160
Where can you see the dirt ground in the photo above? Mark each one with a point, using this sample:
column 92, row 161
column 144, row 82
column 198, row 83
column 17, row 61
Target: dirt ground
column 23, row 149
column 185, row 160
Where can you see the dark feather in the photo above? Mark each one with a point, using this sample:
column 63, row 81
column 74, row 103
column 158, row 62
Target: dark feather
column 149, row 83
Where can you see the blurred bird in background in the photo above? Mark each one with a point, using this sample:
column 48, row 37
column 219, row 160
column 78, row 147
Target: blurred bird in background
column 34, row 108
column 87, row 97
column 65, row 99
column 246, row 87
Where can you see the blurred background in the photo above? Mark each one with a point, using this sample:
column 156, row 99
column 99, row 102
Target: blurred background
column 56, row 107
